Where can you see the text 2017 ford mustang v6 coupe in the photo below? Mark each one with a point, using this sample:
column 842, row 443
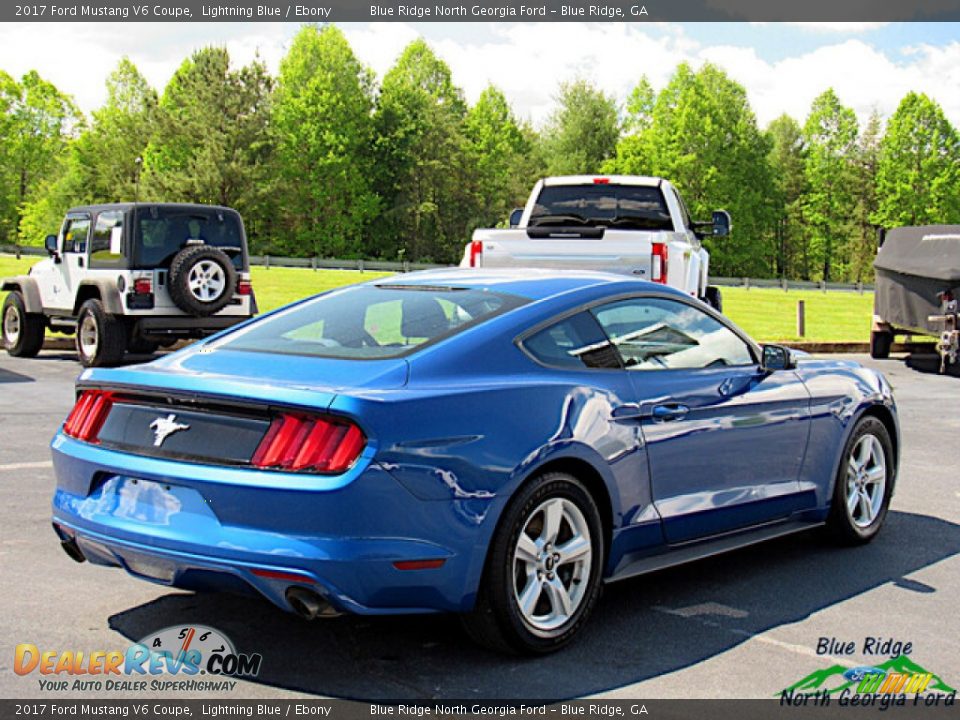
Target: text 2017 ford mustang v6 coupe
column 496, row 444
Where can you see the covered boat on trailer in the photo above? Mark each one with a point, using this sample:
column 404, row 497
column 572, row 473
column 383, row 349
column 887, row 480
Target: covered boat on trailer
column 917, row 285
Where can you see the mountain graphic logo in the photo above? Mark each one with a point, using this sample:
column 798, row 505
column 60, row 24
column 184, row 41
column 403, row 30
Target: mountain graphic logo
column 836, row 678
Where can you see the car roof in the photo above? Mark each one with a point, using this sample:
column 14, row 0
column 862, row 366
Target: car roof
column 124, row 206
column 530, row 283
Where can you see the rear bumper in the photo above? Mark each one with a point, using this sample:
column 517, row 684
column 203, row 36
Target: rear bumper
column 235, row 529
column 186, row 327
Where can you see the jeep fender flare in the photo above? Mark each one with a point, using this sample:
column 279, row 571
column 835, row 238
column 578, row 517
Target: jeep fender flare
column 106, row 291
column 28, row 288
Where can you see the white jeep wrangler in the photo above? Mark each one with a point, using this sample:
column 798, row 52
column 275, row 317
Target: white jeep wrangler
column 131, row 277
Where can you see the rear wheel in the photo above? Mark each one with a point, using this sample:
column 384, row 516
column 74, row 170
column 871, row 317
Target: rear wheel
column 880, row 344
column 863, row 485
column 101, row 338
column 22, row 331
column 543, row 572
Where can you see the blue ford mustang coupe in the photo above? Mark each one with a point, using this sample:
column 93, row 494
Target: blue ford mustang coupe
column 496, row 444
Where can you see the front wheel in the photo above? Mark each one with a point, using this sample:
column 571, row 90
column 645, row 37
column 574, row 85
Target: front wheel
column 22, row 331
column 864, row 484
column 543, row 572
column 101, row 338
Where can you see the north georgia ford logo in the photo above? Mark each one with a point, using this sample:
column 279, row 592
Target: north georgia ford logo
column 179, row 650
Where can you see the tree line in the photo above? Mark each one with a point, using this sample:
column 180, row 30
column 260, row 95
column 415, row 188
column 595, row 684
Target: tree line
column 323, row 160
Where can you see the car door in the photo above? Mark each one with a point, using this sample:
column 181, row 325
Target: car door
column 59, row 289
column 725, row 439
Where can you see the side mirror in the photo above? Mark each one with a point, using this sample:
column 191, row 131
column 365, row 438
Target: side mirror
column 722, row 224
column 50, row 243
column 881, row 236
column 515, row 216
column 777, row 357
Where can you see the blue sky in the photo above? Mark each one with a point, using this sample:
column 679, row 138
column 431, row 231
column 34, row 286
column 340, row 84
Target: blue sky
column 783, row 66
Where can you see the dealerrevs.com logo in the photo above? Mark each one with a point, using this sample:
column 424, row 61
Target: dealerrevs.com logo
column 169, row 660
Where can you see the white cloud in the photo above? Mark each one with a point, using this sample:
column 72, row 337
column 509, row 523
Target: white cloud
column 527, row 61
column 849, row 28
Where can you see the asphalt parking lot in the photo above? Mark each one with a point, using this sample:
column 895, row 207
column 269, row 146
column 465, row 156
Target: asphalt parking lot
column 742, row 625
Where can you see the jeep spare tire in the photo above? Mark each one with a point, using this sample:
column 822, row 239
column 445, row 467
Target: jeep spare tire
column 202, row 280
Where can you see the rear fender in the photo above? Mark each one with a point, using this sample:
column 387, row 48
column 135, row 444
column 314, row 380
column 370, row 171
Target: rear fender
column 105, row 290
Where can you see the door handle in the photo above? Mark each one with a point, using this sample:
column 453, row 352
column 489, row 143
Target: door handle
column 630, row 411
column 667, row 413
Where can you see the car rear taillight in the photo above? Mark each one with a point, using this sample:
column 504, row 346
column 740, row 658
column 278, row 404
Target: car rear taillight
column 658, row 263
column 143, row 286
column 244, row 287
column 299, row 442
column 88, row 415
column 601, row 181
column 476, row 253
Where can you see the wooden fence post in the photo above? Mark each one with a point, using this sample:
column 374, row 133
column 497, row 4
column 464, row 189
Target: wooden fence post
column 801, row 318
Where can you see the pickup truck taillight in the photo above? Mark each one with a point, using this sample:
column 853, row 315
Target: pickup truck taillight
column 658, row 263
column 476, row 253
column 314, row 444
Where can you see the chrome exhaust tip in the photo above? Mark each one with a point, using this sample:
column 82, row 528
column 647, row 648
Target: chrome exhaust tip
column 308, row 604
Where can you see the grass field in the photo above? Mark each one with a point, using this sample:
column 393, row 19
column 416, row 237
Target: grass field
column 766, row 314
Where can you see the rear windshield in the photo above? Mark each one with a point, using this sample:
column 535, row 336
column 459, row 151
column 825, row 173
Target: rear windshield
column 628, row 207
column 163, row 232
column 369, row 321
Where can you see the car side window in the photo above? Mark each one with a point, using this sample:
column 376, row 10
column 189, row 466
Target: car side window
column 662, row 334
column 575, row 343
column 106, row 243
column 75, row 233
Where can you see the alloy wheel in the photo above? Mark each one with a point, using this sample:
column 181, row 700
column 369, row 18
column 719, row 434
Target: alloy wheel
column 11, row 325
column 206, row 281
column 89, row 335
column 551, row 565
column 866, row 480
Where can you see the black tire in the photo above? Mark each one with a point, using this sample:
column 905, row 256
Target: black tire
column 138, row 345
column 497, row 621
column 22, row 331
column 713, row 298
column 880, row 343
column 841, row 522
column 212, row 284
column 101, row 338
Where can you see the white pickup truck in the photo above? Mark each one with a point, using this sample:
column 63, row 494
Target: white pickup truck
column 624, row 223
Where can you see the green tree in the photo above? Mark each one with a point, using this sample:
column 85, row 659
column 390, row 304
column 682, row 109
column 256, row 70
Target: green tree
column 324, row 129
column 427, row 178
column 789, row 181
column 702, row 135
column 830, row 134
column 501, row 151
column 37, row 122
column 918, row 172
column 866, row 159
column 103, row 163
column 211, row 141
column 583, row 131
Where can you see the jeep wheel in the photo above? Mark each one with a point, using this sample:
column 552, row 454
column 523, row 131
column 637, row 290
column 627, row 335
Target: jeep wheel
column 22, row 331
column 101, row 338
column 202, row 280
